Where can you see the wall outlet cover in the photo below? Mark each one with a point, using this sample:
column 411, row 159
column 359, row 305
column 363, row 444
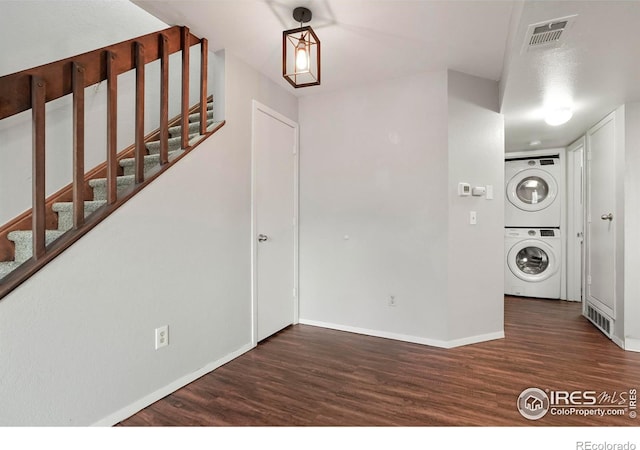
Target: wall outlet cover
column 162, row 336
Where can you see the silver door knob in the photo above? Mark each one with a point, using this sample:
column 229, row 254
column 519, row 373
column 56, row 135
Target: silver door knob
column 607, row 216
column 262, row 237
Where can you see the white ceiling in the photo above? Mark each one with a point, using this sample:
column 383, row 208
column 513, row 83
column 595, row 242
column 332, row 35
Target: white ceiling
column 595, row 70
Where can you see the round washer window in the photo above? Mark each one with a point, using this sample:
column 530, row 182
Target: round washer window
column 532, row 190
column 532, row 260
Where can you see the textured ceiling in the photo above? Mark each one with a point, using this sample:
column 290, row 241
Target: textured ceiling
column 595, row 70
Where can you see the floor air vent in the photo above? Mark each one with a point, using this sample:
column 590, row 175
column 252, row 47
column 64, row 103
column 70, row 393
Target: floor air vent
column 547, row 34
column 599, row 320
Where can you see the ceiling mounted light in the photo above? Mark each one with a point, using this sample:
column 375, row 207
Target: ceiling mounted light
column 301, row 52
column 558, row 116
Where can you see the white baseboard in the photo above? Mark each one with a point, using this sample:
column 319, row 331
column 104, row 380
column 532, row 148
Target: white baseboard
column 475, row 339
column 619, row 342
column 631, row 344
column 405, row 337
column 147, row 400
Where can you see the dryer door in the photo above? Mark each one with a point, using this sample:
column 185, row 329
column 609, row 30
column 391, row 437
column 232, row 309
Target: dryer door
column 532, row 260
column 532, row 190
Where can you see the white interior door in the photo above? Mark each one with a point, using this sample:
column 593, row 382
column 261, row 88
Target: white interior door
column 601, row 250
column 275, row 142
column 575, row 219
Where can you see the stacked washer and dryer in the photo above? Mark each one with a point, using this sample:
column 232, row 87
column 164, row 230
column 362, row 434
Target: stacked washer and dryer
column 533, row 247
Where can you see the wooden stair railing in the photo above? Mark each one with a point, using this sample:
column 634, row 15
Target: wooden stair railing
column 33, row 88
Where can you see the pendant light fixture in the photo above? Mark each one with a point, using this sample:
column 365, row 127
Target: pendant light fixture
column 301, row 52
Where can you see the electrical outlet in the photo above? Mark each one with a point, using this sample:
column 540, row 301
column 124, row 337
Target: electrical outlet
column 162, row 336
column 392, row 300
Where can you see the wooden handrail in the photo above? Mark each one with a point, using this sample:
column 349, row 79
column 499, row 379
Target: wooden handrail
column 15, row 89
column 33, row 88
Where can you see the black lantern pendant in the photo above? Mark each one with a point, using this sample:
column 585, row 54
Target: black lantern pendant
column 301, row 52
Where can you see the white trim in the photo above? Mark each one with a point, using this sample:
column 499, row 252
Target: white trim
column 255, row 107
column 616, row 340
column 153, row 397
column 575, row 179
column 406, row 337
column 630, row 344
column 534, row 153
column 475, row 339
column 562, row 186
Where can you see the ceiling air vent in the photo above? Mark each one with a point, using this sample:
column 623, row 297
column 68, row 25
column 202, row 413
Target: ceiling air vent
column 547, row 34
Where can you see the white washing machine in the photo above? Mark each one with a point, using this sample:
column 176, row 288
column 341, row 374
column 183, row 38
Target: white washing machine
column 533, row 262
column 533, row 192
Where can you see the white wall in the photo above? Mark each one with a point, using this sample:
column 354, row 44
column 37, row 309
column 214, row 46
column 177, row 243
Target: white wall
column 476, row 252
column 77, row 340
column 631, row 227
column 378, row 165
column 373, row 167
column 88, row 25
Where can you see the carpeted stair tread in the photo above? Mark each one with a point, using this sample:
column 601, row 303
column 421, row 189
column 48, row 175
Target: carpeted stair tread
column 6, row 267
column 196, row 117
column 150, row 161
column 213, row 125
column 65, row 212
column 24, row 242
column 194, row 127
column 99, row 186
column 174, row 144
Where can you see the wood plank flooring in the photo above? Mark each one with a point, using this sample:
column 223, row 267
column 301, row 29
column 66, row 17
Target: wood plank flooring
column 317, row 377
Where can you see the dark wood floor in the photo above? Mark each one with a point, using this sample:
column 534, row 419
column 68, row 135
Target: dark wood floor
column 312, row 376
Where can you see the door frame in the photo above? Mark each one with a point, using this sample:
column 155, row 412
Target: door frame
column 256, row 108
column 610, row 312
column 575, row 220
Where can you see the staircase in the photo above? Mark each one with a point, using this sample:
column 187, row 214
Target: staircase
column 97, row 193
column 23, row 239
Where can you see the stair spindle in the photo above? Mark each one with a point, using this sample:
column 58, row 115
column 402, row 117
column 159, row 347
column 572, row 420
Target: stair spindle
column 185, row 88
column 78, row 144
column 164, row 99
column 112, row 127
column 204, row 62
column 139, row 132
column 38, row 96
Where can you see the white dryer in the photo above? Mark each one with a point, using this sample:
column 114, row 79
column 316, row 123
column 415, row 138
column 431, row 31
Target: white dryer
column 533, row 192
column 532, row 262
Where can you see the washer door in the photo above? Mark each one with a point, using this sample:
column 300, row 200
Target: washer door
column 532, row 190
column 532, row 260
